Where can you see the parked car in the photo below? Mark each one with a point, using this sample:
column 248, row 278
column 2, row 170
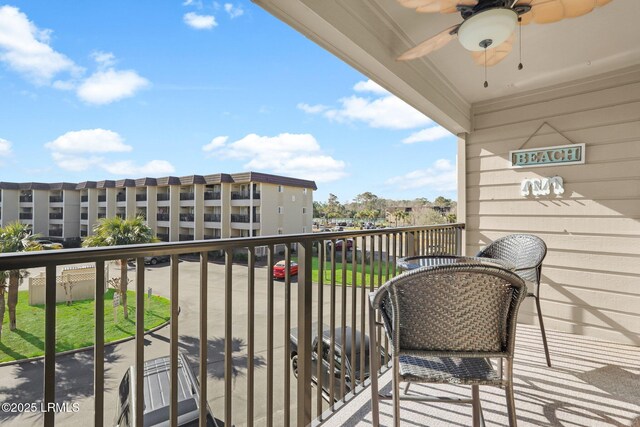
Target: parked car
column 153, row 260
column 279, row 269
column 48, row 244
column 351, row 368
column 340, row 244
column 157, row 396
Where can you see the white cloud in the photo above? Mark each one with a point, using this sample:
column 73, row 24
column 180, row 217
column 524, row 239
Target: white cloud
column 215, row 143
column 75, row 163
column 312, row 109
column 296, row 155
column 25, row 48
column 129, row 168
column 370, row 86
column 106, row 86
column 441, row 176
column 233, row 11
column 5, row 148
column 380, row 110
column 427, row 135
column 200, row 22
column 88, row 141
column 104, row 59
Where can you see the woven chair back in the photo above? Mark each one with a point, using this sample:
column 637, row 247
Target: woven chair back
column 522, row 250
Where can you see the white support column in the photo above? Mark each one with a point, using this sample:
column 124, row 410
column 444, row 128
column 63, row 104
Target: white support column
column 461, row 167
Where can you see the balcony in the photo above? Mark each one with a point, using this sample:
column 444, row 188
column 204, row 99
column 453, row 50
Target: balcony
column 84, row 199
column 186, row 196
column 240, row 195
column 26, row 199
column 141, row 197
column 164, row 237
column 212, row 217
column 121, row 198
column 55, row 199
column 162, row 197
column 256, row 195
column 84, row 215
column 55, row 215
column 209, row 237
column 187, row 217
column 256, row 217
column 163, row 217
column 185, row 237
column 101, row 215
column 239, row 218
column 25, row 215
column 57, row 232
column 83, row 233
column 102, row 198
column 121, row 215
column 212, row 195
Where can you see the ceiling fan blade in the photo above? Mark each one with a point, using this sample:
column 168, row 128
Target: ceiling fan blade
column 494, row 55
column 436, row 6
column 430, row 45
column 549, row 11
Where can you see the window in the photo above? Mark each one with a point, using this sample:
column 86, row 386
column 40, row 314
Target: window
column 304, row 211
column 279, row 230
column 293, row 198
column 304, row 191
column 280, row 210
column 280, row 189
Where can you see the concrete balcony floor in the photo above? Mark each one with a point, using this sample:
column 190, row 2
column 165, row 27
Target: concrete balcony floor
column 592, row 383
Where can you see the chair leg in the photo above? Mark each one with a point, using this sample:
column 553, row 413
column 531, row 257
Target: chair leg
column 477, row 410
column 511, row 403
column 375, row 411
column 396, row 391
column 406, row 388
column 544, row 335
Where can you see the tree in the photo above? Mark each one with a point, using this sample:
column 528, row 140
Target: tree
column 441, row 201
column 16, row 237
column 333, row 208
column 3, row 289
column 400, row 214
column 116, row 232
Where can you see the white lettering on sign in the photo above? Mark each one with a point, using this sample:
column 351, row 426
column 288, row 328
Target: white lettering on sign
column 542, row 186
column 549, row 156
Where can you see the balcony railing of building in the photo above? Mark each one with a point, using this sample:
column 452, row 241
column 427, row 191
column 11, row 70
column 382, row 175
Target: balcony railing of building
column 240, row 195
column 188, row 217
column 141, row 197
column 102, row 197
column 121, row 215
column 185, row 237
column 26, row 199
column 256, row 217
column 239, row 218
column 212, row 217
column 56, row 232
column 163, row 217
column 25, row 215
column 83, row 233
column 164, row 237
column 162, row 196
column 84, row 215
column 101, row 215
column 55, row 199
column 212, row 195
column 84, row 199
column 256, row 194
column 327, row 300
column 210, row 237
column 121, row 198
column 55, row 215
column 186, row 196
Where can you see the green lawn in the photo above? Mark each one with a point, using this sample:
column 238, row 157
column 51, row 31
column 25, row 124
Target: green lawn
column 74, row 324
column 368, row 274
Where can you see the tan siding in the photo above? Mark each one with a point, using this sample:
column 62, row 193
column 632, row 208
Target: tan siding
column 591, row 275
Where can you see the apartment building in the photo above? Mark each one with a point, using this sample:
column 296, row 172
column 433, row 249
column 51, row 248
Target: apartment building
column 192, row 207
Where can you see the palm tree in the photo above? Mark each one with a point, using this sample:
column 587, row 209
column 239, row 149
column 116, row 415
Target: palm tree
column 16, row 237
column 115, row 232
column 3, row 289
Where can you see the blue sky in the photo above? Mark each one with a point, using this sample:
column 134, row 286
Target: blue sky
column 96, row 90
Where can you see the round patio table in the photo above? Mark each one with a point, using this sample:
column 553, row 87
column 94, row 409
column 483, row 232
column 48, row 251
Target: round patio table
column 413, row 262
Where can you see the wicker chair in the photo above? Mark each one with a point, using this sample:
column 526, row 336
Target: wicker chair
column 526, row 252
column 444, row 323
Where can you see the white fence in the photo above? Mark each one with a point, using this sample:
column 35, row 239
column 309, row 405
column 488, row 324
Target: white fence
column 73, row 284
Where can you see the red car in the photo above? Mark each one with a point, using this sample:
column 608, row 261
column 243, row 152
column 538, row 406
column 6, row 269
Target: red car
column 279, row 270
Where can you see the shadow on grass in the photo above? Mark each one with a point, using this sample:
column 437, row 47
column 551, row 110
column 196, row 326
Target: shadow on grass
column 12, row 353
column 30, row 338
column 215, row 356
column 24, row 382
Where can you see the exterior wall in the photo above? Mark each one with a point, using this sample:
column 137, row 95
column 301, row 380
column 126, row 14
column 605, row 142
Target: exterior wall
column 591, row 274
column 71, row 212
column 10, row 207
column 41, row 212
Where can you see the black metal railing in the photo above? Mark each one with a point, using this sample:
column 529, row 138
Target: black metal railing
column 121, row 198
column 121, row 215
column 101, row 215
column 331, row 288
column 188, row 217
column 239, row 218
column 164, row 237
column 256, row 217
column 210, row 237
column 55, row 215
column 84, row 198
column 26, row 199
column 141, row 197
column 25, row 215
column 102, row 197
column 240, row 195
column 212, row 195
column 256, row 194
column 83, row 233
column 185, row 237
column 84, row 215
column 186, row 196
column 57, row 232
column 55, row 199
column 212, row 217
column 162, row 196
column 163, row 217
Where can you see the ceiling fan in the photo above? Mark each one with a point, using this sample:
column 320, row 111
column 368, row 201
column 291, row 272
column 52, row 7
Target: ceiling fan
column 488, row 26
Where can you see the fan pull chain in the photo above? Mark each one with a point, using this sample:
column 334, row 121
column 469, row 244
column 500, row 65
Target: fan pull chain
column 520, row 40
column 486, row 84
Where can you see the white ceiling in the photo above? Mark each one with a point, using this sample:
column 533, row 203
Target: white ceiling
column 371, row 34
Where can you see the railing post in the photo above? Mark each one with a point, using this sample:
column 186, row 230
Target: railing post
column 50, row 345
column 459, row 250
column 305, row 290
column 411, row 244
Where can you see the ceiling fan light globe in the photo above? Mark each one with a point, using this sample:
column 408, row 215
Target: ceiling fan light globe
column 495, row 25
